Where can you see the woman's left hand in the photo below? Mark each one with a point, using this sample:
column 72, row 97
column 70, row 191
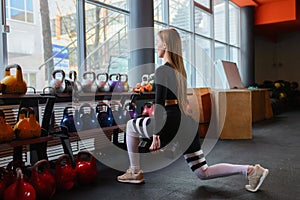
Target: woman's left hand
column 155, row 143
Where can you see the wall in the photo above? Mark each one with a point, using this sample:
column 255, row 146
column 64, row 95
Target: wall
column 278, row 60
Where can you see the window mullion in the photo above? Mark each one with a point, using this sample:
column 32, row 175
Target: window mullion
column 167, row 14
column 227, row 29
column 193, row 48
column 3, row 38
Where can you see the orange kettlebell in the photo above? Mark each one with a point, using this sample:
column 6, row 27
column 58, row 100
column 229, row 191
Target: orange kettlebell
column 22, row 127
column 13, row 84
column 148, row 87
column 35, row 127
column 27, row 127
column 6, row 131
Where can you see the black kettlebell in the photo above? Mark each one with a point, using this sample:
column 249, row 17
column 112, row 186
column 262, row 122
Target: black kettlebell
column 69, row 86
column 88, row 84
column 119, row 115
column 76, row 85
column 58, row 83
column 68, row 120
column 88, row 119
column 104, row 114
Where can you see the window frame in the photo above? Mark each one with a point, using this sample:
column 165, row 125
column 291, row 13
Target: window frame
column 25, row 10
column 211, row 38
column 209, row 10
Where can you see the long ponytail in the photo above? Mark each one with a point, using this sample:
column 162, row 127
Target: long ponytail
column 174, row 51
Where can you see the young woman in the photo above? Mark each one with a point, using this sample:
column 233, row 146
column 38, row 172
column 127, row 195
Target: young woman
column 170, row 105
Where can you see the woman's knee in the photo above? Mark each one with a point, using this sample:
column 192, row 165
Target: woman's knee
column 130, row 131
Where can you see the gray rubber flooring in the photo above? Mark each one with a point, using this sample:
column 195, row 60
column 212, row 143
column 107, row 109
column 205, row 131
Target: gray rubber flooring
column 275, row 145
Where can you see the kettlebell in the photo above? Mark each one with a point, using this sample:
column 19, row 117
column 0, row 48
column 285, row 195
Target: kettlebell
column 22, row 127
column 145, row 79
column 78, row 121
column 58, row 83
column 152, row 81
column 115, row 83
column 32, row 88
column 89, row 84
column 42, row 180
column 104, row 114
column 64, row 174
column 68, row 120
column 125, row 82
column 69, row 85
column 51, row 90
column 119, row 117
column 35, row 127
column 86, row 171
column 131, row 111
column 11, row 169
column 76, row 85
column 4, row 181
column 6, row 131
column 20, row 189
column 102, row 85
column 13, row 84
column 148, row 109
column 27, row 127
column 88, row 119
column 145, row 84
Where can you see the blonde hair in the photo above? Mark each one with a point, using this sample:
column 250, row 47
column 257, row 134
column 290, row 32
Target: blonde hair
column 174, row 55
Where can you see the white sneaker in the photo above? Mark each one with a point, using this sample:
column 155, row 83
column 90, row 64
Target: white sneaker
column 131, row 177
column 256, row 178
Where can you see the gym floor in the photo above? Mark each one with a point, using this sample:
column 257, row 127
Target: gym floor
column 274, row 145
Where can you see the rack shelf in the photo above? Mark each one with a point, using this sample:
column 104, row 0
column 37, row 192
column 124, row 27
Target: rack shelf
column 14, row 99
column 64, row 97
column 86, row 134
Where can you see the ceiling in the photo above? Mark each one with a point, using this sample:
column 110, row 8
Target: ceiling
column 274, row 30
column 274, row 17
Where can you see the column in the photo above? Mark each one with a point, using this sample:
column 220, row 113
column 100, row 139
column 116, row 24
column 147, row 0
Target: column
column 141, row 39
column 247, row 45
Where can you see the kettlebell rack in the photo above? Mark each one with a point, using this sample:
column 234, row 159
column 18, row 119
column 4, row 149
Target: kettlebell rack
column 37, row 147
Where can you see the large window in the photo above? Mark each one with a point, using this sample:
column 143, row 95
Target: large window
column 203, row 22
column 210, row 32
column 203, row 61
column 159, row 8
column 220, row 51
column 20, row 10
column 48, row 44
column 234, row 25
column 180, row 14
column 220, row 22
column 106, row 40
column 45, row 37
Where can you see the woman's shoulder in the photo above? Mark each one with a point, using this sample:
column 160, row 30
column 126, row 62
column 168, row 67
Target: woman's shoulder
column 164, row 67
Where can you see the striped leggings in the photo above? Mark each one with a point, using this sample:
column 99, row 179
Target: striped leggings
column 194, row 155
